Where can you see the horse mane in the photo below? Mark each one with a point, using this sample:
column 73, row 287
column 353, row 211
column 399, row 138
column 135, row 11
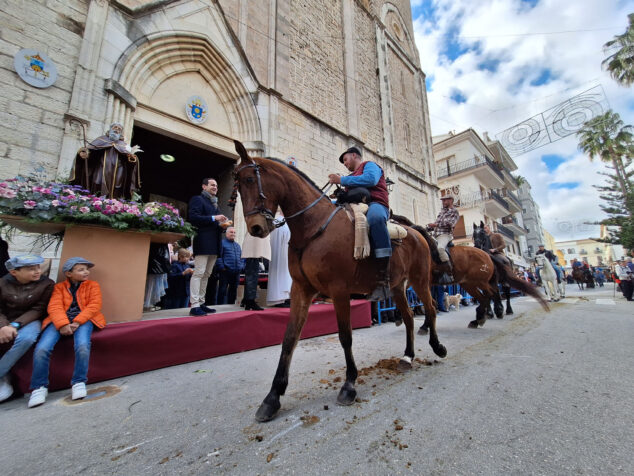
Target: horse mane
column 295, row 170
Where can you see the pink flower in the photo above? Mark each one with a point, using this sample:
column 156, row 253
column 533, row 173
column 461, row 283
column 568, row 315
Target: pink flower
column 97, row 203
column 55, row 203
column 73, row 208
column 29, row 204
column 84, row 209
column 7, row 193
column 69, row 192
column 149, row 211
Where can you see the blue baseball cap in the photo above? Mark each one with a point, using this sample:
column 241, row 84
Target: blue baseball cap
column 23, row 260
column 70, row 262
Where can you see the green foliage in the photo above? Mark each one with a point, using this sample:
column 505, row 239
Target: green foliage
column 620, row 64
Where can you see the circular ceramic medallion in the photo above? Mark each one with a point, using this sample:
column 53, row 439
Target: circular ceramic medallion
column 196, row 109
column 35, row 68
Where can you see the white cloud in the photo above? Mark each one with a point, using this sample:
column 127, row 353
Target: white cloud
column 564, row 38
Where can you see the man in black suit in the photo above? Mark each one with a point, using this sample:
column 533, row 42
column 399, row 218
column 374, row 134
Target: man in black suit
column 205, row 216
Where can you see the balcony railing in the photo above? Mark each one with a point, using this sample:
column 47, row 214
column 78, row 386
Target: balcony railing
column 473, row 163
column 498, row 198
column 511, row 220
column 504, row 231
column 513, row 198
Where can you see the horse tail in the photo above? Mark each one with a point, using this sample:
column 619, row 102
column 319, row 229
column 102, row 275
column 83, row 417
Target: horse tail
column 506, row 275
column 433, row 247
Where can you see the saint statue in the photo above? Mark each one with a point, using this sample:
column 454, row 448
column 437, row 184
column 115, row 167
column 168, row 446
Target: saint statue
column 108, row 166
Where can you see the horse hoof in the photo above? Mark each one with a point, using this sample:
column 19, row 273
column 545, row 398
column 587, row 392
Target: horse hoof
column 347, row 395
column 267, row 412
column 473, row 325
column 422, row 331
column 398, row 322
column 441, row 351
column 404, row 364
column 508, row 313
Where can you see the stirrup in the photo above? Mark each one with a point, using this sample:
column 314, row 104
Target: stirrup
column 381, row 293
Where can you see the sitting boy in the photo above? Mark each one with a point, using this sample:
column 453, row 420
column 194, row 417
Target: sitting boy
column 74, row 309
column 24, row 295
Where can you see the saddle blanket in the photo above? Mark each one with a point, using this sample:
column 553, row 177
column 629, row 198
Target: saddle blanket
column 362, row 232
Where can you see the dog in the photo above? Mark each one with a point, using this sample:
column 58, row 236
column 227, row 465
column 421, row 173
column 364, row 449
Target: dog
column 452, row 301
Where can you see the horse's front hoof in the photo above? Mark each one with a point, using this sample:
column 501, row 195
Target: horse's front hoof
column 404, row 364
column 267, row 411
column 441, row 351
column 398, row 322
column 347, row 394
column 422, row 331
column 510, row 312
column 473, row 325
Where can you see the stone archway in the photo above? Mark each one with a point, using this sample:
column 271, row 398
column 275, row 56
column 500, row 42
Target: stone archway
column 157, row 71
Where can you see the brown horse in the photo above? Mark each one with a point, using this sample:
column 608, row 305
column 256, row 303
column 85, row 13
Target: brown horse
column 321, row 260
column 477, row 272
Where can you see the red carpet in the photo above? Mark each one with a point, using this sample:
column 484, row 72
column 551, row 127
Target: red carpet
column 134, row 347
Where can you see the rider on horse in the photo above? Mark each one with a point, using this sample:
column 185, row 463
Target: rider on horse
column 369, row 175
column 550, row 256
column 443, row 232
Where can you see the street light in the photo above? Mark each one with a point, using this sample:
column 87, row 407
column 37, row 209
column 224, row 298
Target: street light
column 389, row 183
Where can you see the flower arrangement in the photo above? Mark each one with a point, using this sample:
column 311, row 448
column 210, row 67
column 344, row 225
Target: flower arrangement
column 63, row 203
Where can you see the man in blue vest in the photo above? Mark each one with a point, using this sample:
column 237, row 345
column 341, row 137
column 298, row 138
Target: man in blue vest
column 369, row 175
column 205, row 216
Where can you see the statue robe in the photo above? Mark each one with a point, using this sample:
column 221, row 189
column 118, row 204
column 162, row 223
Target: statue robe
column 110, row 170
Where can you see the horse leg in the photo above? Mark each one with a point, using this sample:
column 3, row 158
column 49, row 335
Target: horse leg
column 498, row 307
column 347, row 394
column 301, row 298
column 507, row 295
column 423, row 291
column 407, row 314
column 483, row 303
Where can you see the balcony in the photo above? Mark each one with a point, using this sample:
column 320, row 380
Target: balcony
column 502, row 230
column 512, row 224
column 514, row 204
column 495, row 206
column 482, row 167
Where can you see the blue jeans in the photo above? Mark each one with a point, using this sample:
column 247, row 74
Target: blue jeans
column 27, row 336
column 438, row 293
column 43, row 349
column 379, row 237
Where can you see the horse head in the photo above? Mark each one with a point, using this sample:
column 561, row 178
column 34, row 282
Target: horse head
column 479, row 235
column 251, row 181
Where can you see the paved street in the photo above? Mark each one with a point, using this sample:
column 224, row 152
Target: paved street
column 536, row 393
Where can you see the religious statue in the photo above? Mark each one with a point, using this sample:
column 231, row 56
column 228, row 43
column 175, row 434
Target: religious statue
column 108, row 166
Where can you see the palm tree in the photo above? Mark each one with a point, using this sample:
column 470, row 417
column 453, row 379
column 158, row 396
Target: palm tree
column 621, row 63
column 608, row 138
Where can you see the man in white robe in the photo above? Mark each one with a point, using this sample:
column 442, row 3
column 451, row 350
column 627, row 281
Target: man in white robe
column 279, row 285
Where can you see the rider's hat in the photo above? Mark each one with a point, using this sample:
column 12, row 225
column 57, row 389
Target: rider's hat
column 448, row 195
column 541, row 246
column 351, row 150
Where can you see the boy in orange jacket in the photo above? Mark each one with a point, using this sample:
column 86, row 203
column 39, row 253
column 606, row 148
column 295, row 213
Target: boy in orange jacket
column 74, row 309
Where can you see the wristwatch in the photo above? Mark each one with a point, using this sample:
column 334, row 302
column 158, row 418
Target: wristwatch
column 16, row 325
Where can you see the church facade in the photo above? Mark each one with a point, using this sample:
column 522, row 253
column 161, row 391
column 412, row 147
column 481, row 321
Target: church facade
column 300, row 81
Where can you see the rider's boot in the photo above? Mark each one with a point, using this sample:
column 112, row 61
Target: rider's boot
column 447, row 276
column 382, row 290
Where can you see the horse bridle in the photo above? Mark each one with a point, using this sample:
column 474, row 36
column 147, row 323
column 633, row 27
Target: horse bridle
column 261, row 208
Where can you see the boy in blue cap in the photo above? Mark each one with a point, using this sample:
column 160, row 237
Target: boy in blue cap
column 24, row 296
column 74, row 310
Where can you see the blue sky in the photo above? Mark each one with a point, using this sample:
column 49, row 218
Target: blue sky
column 492, row 64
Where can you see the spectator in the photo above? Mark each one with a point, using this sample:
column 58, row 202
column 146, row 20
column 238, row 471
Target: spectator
column 177, row 296
column 278, row 291
column 625, row 275
column 74, row 310
column 253, row 249
column 4, row 257
column 24, row 295
column 230, row 264
column 206, row 217
column 156, row 281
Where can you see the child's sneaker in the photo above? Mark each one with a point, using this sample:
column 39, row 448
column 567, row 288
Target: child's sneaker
column 38, row 396
column 6, row 390
column 79, row 391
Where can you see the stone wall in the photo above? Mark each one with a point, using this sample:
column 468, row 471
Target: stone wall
column 32, row 119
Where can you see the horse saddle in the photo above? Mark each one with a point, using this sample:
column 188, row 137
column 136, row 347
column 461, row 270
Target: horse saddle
column 396, row 231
